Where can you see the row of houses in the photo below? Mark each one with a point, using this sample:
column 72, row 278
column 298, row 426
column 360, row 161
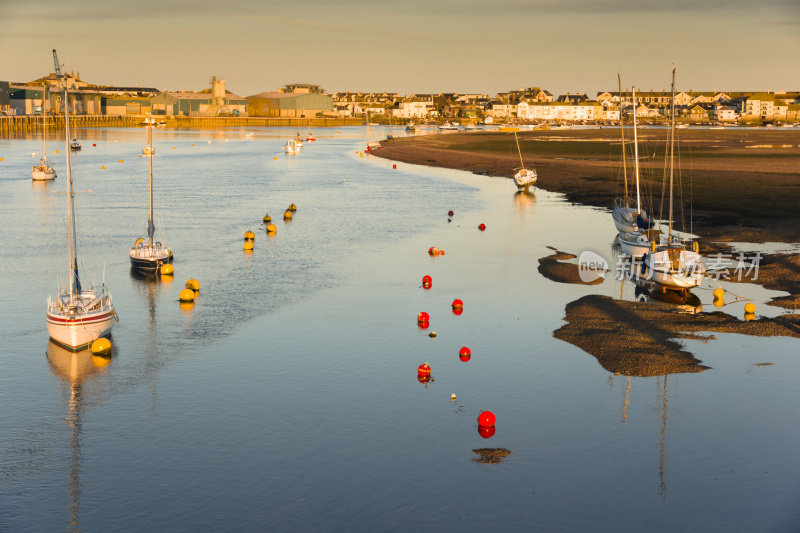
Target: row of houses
column 301, row 100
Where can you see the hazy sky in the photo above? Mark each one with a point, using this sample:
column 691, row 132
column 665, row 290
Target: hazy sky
column 408, row 45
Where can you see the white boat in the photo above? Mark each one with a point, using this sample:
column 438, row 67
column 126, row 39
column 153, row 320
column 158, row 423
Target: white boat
column 673, row 266
column 146, row 255
column 43, row 171
column 75, row 145
column 626, row 217
column 148, row 150
column 525, row 177
column 448, row 126
column 76, row 316
column 292, row 147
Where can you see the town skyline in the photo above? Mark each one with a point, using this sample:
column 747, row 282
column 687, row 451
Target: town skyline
column 414, row 48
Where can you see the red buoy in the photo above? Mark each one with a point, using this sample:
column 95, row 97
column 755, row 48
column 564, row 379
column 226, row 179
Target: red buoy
column 423, row 317
column 394, row 166
column 424, row 379
column 450, row 213
column 482, row 227
column 94, row 144
column 464, row 357
column 457, row 304
column 458, row 310
column 486, row 418
column 426, row 282
column 465, row 351
column 425, row 370
column 486, row 432
column 423, row 324
column 433, row 250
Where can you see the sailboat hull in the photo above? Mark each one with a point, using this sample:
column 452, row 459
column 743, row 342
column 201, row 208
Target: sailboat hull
column 43, row 174
column 625, row 219
column 685, row 271
column 149, row 259
column 79, row 332
column 634, row 244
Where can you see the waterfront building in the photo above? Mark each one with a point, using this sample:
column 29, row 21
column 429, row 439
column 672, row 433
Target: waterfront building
column 296, row 100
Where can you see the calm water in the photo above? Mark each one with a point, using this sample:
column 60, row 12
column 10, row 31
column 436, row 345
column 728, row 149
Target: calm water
column 287, row 398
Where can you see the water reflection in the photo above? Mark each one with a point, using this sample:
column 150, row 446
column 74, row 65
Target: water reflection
column 75, row 368
column 490, row 456
column 524, row 200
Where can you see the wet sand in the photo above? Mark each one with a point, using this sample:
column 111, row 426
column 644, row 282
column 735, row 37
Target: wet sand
column 555, row 269
column 640, row 339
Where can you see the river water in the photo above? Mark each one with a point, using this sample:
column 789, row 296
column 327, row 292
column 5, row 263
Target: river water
column 287, row 398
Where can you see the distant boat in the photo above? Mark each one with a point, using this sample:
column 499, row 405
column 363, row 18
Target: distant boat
column 525, row 177
column 410, row 127
column 43, row 171
column 146, row 255
column 148, row 150
column 75, row 145
column 76, row 316
column 449, row 126
column 292, row 147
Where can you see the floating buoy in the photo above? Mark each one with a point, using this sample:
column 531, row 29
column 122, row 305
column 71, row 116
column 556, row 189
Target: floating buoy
column 465, row 351
column 292, row 208
column 56, row 151
column 120, row 160
column 750, row 308
column 287, row 215
column 487, row 432
column 174, row 148
column 102, row 167
column 167, row 270
column 186, row 295
column 248, row 246
column 432, row 334
column 1, row 159
column 433, row 251
column 267, row 219
column 426, row 282
column 394, row 167
column 423, row 317
column 458, row 310
column 94, row 144
column 453, row 397
column 101, row 346
column 424, row 369
column 275, row 158
column 249, row 236
column 719, row 302
column 193, row 284
column 441, row 252
column 192, row 144
column 450, row 213
column 719, row 293
column 486, row 418
column 271, row 228
column 423, row 379
column 458, row 304
column 482, row 227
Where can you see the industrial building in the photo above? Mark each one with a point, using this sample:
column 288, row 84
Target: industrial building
column 296, row 100
column 211, row 102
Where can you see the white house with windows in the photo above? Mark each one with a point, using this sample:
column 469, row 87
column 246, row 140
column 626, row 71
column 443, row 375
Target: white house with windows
column 413, row 109
column 725, row 114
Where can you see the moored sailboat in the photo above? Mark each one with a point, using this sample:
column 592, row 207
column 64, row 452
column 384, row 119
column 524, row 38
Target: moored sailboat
column 146, row 255
column 673, row 265
column 76, row 316
column 43, row 171
column 626, row 217
column 525, row 177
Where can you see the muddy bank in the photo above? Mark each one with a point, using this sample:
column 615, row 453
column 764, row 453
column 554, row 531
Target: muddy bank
column 745, row 184
column 778, row 272
column 640, row 339
column 555, row 269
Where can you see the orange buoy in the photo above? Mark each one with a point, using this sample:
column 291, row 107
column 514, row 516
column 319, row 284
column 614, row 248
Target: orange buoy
column 186, row 295
column 292, row 208
column 482, row 227
column 249, row 236
column 287, row 215
column 486, row 418
column 424, row 369
column 433, row 250
column 271, row 229
column 750, row 308
column 441, row 252
column 457, row 303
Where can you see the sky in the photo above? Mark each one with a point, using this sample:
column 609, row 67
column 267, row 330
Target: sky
column 408, row 46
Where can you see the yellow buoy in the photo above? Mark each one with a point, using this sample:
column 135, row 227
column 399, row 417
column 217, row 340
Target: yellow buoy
column 248, row 246
column 287, row 215
column 292, row 208
column 432, row 334
column 453, row 397
column 167, row 270
column 750, row 307
column 192, row 144
column 275, row 158
column 56, row 151
column 186, row 295
column 102, row 167
column 186, row 306
column 101, row 346
column 719, row 302
column 173, row 148
column 249, row 235
column 272, row 228
column 267, row 219
column 1, row 159
column 719, row 293
column 120, row 160
column 193, row 284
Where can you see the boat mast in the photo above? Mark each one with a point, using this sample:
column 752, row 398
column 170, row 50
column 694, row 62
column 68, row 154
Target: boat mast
column 522, row 165
column 671, row 151
column 74, row 279
column 44, row 124
column 636, row 154
column 150, row 226
column 622, row 134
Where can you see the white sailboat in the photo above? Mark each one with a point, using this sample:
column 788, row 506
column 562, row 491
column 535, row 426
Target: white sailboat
column 146, row 255
column 625, row 215
column 672, row 265
column 525, row 177
column 292, row 147
column 43, row 171
column 76, row 316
